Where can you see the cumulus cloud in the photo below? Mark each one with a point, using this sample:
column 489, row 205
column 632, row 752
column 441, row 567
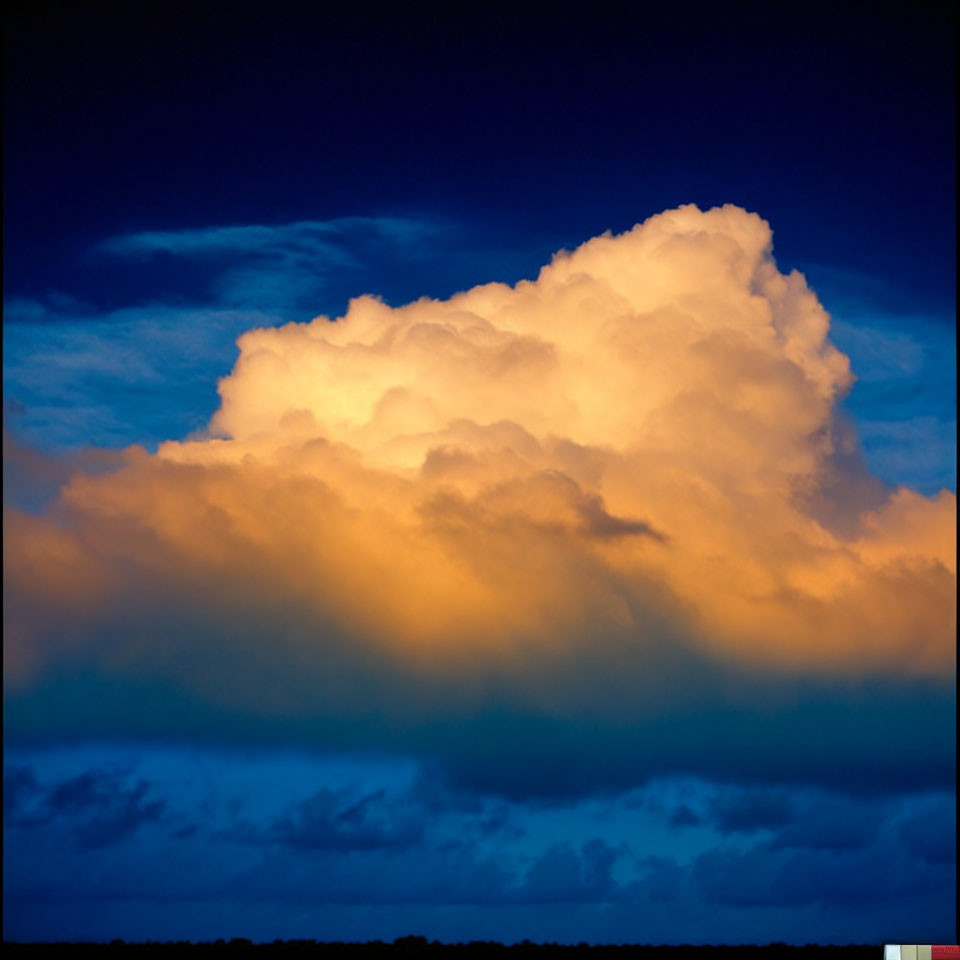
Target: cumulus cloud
column 745, row 811
column 95, row 808
column 594, row 488
column 342, row 820
column 763, row 877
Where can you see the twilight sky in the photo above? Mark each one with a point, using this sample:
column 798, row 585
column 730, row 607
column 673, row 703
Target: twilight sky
column 484, row 474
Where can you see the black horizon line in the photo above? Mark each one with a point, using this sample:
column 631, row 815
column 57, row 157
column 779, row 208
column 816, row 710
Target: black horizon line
column 414, row 944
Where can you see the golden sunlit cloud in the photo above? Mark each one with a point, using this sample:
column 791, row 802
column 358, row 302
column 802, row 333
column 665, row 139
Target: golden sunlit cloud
column 640, row 447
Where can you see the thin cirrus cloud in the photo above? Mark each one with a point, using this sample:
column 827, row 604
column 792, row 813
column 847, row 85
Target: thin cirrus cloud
column 65, row 368
column 906, row 397
column 262, row 240
column 280, row 266
column 614, row 498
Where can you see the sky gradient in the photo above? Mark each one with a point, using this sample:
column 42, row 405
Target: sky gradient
column 479, row 474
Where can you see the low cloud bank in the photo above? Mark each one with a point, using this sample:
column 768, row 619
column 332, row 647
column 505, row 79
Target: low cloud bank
column 298, row 833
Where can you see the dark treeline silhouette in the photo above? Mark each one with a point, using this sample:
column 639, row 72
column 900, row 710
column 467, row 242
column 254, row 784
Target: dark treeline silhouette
column 421, row 947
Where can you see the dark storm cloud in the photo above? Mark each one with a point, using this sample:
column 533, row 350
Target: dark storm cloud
column 745, row 811
column 683, row 816
column 838, row 849
column 372, row 879
column 762, row 876
column 793, row 818
column 19, row 784
column 98, row 808
column 468, row 874
column 479, row 815
column 929, row 830
column 399, row 838
column 862, row 746
column 563, row 874
column 884, row 737
column 346, row 820
column 661, row 879
column 831, row 822
column 428, row 812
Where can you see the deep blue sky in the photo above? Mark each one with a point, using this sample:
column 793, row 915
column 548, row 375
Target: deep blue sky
column 411, row 150
column 536, row 127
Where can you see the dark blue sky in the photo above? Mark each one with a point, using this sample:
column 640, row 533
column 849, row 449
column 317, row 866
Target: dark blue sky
column 178, row 173
column 537, row 127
